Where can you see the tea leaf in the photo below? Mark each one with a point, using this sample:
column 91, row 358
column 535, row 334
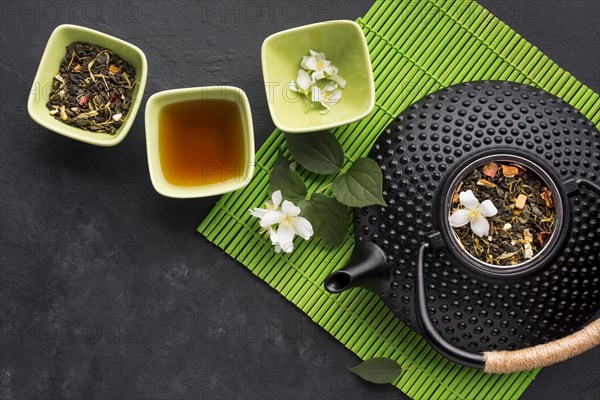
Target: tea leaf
column 289, row 182
column 330, row 219
column 455, row 197
column 504, row 256
column 486, row 183
column 378, row 370
column 318, row 152
column 361, row 186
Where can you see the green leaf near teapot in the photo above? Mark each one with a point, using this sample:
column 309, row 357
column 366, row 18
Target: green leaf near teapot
column 318, row 152
column 361, row 185
column 330, row 219
column 378, row 370
column 287, row 180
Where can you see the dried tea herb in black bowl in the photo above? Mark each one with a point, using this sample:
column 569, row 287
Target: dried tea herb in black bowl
column 93, row 89
column 525, row 218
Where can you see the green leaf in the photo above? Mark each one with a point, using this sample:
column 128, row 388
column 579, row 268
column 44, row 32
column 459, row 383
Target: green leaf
column 330, row 219
column 361, row 186
column 378, row 370
column 318, row 152
column 288, row 181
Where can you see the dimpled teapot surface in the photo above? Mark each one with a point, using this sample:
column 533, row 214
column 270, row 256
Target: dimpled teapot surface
column 421, row 154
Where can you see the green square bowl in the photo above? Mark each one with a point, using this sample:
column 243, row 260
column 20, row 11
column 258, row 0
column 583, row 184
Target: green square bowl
column 54, row 53
column 153, row 109
column 344, row 44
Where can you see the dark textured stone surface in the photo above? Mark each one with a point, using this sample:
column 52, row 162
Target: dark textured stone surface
column 107, row 291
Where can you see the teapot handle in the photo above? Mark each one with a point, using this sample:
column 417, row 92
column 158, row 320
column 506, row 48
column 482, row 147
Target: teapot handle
column 504, row 361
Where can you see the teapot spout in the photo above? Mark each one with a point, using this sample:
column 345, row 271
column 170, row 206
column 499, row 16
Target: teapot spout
column 366, row 268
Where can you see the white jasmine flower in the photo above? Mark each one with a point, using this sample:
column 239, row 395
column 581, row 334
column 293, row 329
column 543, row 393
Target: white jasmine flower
column 329, row 96
column 315, row 94
column 332, row 73
column 316, row 62
column 270, row 205
column 288, row 220
column 322, row 68
column 338, row 79
column 473, row 212
column 303, row 83
column 308, row 61
column 320, row 56
column 316, row 68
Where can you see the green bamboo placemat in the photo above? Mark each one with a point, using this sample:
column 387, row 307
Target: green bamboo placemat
column 416, row 48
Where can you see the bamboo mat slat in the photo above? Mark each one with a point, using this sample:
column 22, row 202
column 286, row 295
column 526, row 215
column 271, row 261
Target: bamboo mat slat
column 416, row 48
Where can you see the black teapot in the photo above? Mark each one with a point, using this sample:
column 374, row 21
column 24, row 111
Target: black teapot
column 478, row 314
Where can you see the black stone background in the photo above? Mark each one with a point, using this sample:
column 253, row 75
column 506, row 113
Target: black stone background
column 108, row 291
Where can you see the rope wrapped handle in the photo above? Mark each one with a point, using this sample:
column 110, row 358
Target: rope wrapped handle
column 503, row 361
column 550, row 353
column 545, row 354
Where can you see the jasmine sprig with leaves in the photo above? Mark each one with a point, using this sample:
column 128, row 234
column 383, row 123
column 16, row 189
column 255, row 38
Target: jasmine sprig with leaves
column 320, row 152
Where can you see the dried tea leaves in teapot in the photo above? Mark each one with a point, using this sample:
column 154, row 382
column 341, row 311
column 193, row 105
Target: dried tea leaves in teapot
column 526, row 213
column 93, row 89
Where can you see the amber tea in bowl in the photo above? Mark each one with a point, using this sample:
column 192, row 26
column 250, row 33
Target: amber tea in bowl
column 200, row 141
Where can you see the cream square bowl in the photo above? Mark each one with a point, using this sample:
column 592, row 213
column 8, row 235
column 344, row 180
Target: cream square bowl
column 153, row 109
column 54, row 53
